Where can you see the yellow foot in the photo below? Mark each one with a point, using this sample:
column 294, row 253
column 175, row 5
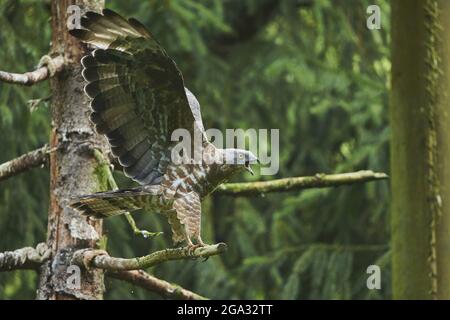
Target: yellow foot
column 192, row 247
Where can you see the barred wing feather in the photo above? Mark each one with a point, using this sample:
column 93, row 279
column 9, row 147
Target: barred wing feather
column 138, row 94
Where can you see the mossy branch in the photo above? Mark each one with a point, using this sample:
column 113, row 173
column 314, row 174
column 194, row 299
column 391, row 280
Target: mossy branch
column 89, row 258
column 298, row 183
column 30, row 258
column 163, row 288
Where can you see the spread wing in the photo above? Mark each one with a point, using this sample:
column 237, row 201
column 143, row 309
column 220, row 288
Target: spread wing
column 138, row 94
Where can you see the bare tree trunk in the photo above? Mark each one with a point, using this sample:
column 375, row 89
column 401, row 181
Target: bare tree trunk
column 420, row 149
column 73, row 168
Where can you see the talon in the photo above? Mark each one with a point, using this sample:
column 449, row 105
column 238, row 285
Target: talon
column 191, row 248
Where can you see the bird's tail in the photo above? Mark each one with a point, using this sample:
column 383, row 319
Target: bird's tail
column 112, row 203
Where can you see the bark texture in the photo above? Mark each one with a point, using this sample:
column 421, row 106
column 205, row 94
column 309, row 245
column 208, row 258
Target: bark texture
column 74, row 169
column 420, row 149
column 25, row 162
column 24, row 258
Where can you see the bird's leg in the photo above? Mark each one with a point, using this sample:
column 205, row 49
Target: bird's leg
column 137, row 231
column 200, row 241
column 191, row 246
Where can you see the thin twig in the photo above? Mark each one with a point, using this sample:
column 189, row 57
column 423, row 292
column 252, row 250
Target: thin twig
column 25, row 258
column 33, row 104
column 25, row 162
column 163, row 288
column 48, row 67
column 100, row 259
column 298, row 183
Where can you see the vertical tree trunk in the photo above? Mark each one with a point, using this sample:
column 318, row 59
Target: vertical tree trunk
column 420, row 165
column 73, row 168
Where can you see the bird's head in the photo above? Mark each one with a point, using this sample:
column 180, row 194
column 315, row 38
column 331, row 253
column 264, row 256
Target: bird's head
column 239, row 159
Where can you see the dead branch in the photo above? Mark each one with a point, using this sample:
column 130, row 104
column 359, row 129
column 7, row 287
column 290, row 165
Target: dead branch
column 298, row 183
column 33, row 104
column 165, row 289
column 89, row 258
column 25, row 162
column 25, row 258
column 47, row 68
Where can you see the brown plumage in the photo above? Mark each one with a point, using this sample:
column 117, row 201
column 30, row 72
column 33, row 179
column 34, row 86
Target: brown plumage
column 138, row 100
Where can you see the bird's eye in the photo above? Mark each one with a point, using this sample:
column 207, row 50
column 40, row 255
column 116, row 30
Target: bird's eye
column 241, row 156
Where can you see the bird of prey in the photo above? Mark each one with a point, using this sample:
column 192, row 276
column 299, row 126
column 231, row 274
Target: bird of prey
column 138, row 100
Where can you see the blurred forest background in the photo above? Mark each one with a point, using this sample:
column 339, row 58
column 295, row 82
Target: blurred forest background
column 308, row 67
